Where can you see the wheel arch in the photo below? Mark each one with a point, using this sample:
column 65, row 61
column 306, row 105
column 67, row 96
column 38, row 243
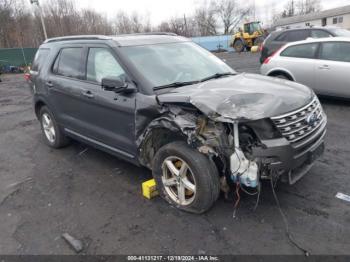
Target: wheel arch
column 239, row 38
column 279, row 71
column 37, row 106
column 154, row 139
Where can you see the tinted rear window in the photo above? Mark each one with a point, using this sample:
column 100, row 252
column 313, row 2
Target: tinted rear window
column 68, row 63
column 297, row 35
column 39, row 59
column 292, row 36
column 301, row 51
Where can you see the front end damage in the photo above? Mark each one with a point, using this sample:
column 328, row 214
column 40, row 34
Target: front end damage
column 244, row 150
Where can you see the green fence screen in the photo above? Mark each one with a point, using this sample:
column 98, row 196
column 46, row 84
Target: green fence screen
column 16, row 56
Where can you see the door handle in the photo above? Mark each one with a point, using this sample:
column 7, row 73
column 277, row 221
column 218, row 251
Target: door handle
column 326, row 67
column 88, row 94
column 49, row 84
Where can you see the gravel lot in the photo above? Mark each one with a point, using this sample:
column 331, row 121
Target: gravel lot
column 97, row 198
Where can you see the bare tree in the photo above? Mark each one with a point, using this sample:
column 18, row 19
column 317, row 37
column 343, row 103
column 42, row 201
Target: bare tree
column 205, row 19
column 308, row 6
column 301, row 7
column 230, row 14
column 164, row 27
column 289, row 9
column 123, row 23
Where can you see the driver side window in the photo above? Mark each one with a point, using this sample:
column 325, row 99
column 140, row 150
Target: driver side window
column 101, row 63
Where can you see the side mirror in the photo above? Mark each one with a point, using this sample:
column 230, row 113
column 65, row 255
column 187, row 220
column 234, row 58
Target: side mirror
column 116, row 84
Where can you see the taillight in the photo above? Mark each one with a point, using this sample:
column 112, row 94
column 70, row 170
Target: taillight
column 27, row 76
column 267, row 60
column 261, row 47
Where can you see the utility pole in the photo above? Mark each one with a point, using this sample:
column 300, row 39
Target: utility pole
column 254, row 6
column 186, row 28
column 41, row 16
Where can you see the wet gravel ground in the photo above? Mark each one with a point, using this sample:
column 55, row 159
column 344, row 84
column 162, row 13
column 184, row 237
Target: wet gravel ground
column 97, row 198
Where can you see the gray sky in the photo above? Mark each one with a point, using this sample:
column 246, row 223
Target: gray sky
column 160, row 10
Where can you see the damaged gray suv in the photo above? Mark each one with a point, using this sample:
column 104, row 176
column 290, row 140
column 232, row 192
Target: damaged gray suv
column 163, row 102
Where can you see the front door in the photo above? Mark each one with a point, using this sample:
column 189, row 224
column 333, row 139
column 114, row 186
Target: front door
column 107, row 117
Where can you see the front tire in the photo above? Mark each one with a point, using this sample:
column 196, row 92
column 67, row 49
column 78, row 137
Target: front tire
column 186, row 178
column 53, row 135
column 281, row 76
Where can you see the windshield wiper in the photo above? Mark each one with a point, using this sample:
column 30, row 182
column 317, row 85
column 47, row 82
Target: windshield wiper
column 175, row 84
column 179, row 84
column 217, row 75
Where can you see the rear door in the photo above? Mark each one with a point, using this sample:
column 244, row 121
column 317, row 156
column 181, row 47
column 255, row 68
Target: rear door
column 65, row 86
column 332, row 69
column 300, row 61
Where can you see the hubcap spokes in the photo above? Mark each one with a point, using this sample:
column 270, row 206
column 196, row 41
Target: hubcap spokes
column 178, row 180
column 48, row 127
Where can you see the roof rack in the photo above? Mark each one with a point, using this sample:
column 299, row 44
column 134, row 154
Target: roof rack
column 77, row 37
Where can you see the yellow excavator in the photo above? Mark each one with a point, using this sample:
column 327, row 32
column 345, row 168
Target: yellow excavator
column 251, row 35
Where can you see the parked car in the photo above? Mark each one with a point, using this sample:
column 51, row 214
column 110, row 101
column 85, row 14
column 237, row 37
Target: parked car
column 279, row 38
column 163, row 102
column 322, row 64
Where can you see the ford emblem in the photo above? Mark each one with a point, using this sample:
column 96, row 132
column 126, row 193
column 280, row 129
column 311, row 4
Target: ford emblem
column 311, row 119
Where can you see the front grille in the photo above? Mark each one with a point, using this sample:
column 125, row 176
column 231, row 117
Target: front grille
column 302, row 123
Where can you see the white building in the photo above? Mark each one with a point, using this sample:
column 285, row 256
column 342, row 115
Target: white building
column 339, row 17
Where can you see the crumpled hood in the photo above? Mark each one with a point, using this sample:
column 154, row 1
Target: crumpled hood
column 242, row 96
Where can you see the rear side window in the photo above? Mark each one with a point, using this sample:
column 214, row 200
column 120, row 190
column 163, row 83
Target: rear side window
column 282, row 37
column 39, row 59
column 335, row 51
column 320, row 34
column 292, row 36
column 297, row 35
column 68, row 63
column 301, row 51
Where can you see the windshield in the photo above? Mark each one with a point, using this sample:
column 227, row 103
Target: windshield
column 163, row 64
column 340, row 32
column 256, row 27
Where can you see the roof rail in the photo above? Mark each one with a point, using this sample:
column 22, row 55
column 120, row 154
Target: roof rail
column 100, row 37
column 148, row 33
column 77, row 37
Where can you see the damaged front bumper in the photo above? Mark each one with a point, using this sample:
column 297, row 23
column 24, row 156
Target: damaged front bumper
column 291, row 163
column 301, row 142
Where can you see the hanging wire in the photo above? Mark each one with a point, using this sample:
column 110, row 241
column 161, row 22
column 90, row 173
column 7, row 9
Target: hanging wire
column 285, row 221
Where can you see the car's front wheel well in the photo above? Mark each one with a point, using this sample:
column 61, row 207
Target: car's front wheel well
column 281, row 73
column 154, row 140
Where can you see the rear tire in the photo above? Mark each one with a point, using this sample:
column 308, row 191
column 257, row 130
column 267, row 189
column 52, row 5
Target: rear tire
column 53, row 134
column 258, row 41
column 238, row 45
column 186, row 178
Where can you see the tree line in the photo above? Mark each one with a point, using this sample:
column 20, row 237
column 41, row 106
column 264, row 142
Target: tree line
column 299, row 7
column 20, row 24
